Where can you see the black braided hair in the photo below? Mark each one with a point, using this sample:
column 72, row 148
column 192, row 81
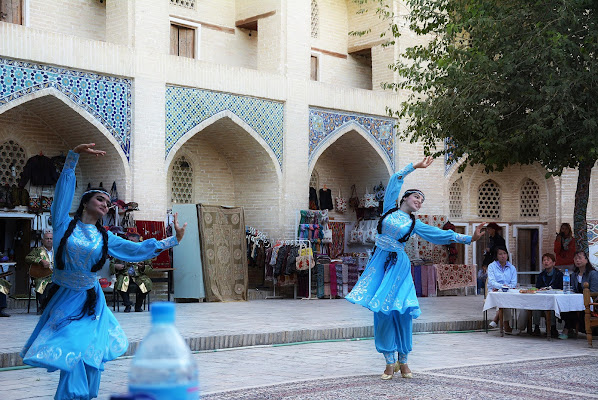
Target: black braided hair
column 384, row 216
column 90, row 302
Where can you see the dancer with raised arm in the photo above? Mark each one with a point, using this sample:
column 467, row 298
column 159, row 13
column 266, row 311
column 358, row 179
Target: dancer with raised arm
column 77, row 333
column 386, row 286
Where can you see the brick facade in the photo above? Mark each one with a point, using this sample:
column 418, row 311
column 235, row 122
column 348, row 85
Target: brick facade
column 231, row 166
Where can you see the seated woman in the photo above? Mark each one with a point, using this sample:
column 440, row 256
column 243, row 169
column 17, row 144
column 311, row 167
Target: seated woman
column 584, row 272
column 552, row 278
column 501, row 273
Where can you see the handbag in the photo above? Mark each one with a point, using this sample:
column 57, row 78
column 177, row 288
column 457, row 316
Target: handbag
column 353, row 200
column 370, row 200
column 340, row 204
column 372, row 231
column 327, row 234
column 379, row 192
column 113, row 193
column 356, row 234
column 35, row 205
column 46, row 203
column 305, row 260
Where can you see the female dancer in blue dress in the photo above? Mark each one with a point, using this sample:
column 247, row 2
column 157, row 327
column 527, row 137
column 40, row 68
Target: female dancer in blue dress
column 386, row 286
column 77, row 333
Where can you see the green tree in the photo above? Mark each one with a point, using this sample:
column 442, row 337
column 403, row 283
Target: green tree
column 505, row 82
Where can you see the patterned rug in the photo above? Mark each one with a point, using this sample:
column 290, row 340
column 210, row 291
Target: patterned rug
column 478, row 382
column 453, row 276
column 224, row 259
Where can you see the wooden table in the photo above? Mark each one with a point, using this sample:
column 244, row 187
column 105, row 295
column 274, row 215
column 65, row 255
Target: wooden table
column 557, row 302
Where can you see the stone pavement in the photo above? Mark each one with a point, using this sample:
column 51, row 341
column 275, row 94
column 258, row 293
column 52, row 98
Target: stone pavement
column 208, row 326
column 229, row 368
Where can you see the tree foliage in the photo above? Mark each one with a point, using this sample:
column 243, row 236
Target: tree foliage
column 505, row 81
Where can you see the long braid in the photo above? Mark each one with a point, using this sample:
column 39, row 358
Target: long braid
column 69, row 230
column 384, row 216
column 98, row 266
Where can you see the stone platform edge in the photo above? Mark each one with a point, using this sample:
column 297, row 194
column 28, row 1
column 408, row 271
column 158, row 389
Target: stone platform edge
column 206, row 343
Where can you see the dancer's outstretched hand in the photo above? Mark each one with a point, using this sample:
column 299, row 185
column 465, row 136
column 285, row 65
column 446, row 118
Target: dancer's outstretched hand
column 88, row 148
column 180, row 230
column 425, row 163
column 479, row 232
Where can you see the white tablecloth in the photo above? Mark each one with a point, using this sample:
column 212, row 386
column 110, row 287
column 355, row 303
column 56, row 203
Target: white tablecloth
column 538, row 301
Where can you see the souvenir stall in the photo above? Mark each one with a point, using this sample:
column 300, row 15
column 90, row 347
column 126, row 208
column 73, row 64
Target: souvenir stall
column 257, row 243
column 340, row 261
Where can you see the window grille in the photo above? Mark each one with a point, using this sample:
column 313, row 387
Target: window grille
column 313, row 181
column 455, row 201
column 315, row 19
column 530, row 199
column 12, row 162
column 182, row 181
column 489, row 200
column 183, row 3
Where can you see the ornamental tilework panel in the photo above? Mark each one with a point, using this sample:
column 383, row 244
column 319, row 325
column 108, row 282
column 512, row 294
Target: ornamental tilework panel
column 188, row 107
column 592, row 227
column 106, row 98
column 323, row 124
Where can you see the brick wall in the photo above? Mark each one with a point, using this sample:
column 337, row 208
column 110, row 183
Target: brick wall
column 82, row 18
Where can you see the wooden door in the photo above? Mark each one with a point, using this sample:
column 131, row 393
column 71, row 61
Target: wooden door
column 11, row 11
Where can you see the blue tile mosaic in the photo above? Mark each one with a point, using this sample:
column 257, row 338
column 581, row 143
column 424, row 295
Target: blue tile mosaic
column 448, row 155
column 106, row 98
column 323, row 124
column 188, row 107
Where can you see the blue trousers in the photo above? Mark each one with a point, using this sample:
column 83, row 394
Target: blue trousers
column 393, row 334
column 82, row 383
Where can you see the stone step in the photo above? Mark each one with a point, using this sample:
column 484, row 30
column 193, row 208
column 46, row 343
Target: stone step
column 216, row 342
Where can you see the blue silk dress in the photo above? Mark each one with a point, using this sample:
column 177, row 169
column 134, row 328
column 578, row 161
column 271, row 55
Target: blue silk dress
column 386, row 285
column 79, row 348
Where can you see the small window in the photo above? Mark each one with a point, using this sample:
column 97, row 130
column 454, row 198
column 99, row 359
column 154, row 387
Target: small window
column 11, row 11
column 182, row 41
column 181, row 190
column 489, row 200
column 12, row 162
column 455, row 200
column 314, row 68
column 529, row 199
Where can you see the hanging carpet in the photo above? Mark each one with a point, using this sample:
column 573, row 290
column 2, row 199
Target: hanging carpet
column 222, row 238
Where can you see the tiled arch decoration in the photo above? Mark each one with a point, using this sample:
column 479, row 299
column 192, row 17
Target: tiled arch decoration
column 106, row 98
column 323, row 124
column 188, row 107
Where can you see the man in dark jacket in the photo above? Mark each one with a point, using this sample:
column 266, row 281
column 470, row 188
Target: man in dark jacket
column 494, row 240
column 550, row 277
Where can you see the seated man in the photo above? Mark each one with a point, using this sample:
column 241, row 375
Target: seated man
column 42, row 256
column 501, row 273
column 551, row 278
column 132, row 277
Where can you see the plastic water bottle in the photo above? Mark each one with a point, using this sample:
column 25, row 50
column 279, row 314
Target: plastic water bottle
column 163, row 367
column 566, row 282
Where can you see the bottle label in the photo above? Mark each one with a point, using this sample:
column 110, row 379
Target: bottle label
column 167, row 392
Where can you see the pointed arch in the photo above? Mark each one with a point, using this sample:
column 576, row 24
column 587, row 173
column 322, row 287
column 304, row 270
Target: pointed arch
column 50, row 91
column 238, row 121
column 348, row 127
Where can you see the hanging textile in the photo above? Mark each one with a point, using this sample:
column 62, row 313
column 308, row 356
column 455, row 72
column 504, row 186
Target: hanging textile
column 156, row 230
column 222, row 238
column 337, row 247
column 453, row 276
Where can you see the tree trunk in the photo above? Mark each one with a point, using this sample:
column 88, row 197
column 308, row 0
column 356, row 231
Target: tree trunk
column 582, row 195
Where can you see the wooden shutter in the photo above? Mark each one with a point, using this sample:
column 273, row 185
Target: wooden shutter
column 182, row 41
column 314, row 68
column 11, row 11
